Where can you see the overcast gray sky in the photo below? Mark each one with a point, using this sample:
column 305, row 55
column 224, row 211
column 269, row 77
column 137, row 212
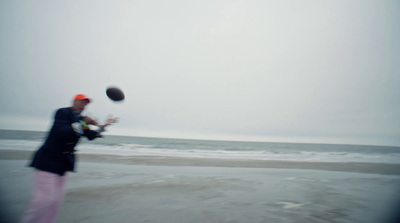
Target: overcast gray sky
column 288, row 71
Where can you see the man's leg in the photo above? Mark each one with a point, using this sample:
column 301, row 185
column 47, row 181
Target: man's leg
column 58, row 194
column 45, row 184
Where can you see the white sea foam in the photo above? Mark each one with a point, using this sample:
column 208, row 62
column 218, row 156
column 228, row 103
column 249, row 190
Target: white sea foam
column 291, row 205
column 9, row 144
column 305, row 156
column 132, row 149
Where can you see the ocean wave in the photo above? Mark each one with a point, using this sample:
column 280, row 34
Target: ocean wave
column 135, row 149
column 302, row 156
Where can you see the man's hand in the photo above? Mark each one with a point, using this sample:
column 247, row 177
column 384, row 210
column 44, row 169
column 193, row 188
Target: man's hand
column 110, row 120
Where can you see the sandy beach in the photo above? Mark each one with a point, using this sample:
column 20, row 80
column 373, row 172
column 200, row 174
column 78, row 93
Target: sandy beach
column 168, row 189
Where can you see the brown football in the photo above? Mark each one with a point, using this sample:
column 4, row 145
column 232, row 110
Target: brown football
column 115, row 94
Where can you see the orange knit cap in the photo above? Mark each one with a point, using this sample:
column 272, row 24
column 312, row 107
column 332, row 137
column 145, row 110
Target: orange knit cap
column 80, row 97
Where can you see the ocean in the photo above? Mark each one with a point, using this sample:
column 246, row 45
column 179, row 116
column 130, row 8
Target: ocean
column 144, row 146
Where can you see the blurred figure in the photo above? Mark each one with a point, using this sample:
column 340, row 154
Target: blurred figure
column 56, row 157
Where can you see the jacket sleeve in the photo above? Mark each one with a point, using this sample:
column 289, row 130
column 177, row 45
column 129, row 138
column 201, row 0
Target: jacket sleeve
column 90, row 134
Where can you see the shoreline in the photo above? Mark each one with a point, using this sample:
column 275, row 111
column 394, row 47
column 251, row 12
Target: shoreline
column 354, row 167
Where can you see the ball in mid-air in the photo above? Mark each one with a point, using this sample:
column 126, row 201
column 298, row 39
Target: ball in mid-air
column 115, row 94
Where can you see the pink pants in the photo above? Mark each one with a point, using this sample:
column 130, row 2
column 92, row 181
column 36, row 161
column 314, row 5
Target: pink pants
column 48, row 195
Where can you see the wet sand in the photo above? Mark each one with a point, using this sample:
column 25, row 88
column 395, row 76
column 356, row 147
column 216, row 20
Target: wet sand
column 169, row 189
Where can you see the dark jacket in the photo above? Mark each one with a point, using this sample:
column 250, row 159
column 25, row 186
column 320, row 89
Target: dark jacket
column 56, row 155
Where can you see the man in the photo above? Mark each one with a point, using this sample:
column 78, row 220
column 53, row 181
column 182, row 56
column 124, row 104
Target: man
column 56, row 157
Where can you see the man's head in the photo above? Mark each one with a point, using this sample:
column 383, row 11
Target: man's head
column 80, row 101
